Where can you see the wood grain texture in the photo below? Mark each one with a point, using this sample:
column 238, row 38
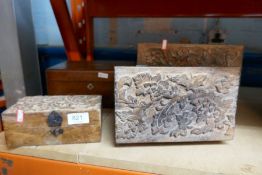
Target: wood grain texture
column 35, row 129
column 190, row 55
column 175, row 104
column 81, row 78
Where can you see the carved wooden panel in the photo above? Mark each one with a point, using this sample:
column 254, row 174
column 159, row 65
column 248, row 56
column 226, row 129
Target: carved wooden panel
column 190, row 55
column 175, row 104
column 48, row 120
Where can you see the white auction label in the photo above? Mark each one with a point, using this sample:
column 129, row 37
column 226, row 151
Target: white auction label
column 102, row 75
column 164, row 44
column 78, row 118
column 19, row 116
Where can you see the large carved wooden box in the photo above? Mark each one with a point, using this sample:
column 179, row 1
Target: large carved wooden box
column 178, row 104
column 48, row 120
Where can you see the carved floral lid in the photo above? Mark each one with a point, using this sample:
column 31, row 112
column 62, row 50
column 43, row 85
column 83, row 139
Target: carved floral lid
column 32, row 104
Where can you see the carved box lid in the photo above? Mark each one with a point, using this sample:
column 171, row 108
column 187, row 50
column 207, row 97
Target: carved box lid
column 175, row 104
column 36, row 104
column 190, row 55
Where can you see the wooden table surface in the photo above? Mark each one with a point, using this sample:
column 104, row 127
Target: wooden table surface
column 242, row 156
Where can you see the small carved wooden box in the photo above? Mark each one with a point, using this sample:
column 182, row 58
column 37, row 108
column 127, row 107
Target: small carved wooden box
column 48, row 120
column 178, row 104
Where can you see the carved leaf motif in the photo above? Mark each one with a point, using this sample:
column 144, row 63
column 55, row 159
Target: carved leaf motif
column 196, row 131
column 178, row 132
column 131, row 125
column 192, row 55
column 199, row 80
column 173, row 106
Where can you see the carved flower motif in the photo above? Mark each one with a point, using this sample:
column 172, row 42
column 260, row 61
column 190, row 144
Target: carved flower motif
column 180, row 56
column 145, row 83
column 176, row 114
column 165, row 90
column 205, row 108
column 185, row 119
column 130, row 125
column 175, row 106
column 153, row 86
column 155, row 56
column 223, row 85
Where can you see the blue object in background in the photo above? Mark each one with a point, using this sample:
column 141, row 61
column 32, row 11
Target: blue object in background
column 2, row 110
column 49, row 56
column 252, row 70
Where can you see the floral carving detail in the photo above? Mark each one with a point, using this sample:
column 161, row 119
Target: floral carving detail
column 55, row 103
column 173, row 106
column 131, row 125
column 190, row 55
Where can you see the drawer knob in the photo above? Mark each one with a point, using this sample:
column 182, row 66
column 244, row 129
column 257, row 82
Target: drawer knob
column 90, row 86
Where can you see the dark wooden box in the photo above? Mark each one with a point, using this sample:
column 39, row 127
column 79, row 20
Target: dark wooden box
column 82, row 78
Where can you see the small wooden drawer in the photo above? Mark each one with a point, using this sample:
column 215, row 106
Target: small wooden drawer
column 78, row 87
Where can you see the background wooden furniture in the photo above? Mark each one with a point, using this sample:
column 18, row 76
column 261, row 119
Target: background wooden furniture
column 80, row 78
column 78, row 33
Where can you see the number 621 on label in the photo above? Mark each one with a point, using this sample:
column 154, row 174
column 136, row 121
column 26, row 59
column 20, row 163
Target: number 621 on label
column 78, row 118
